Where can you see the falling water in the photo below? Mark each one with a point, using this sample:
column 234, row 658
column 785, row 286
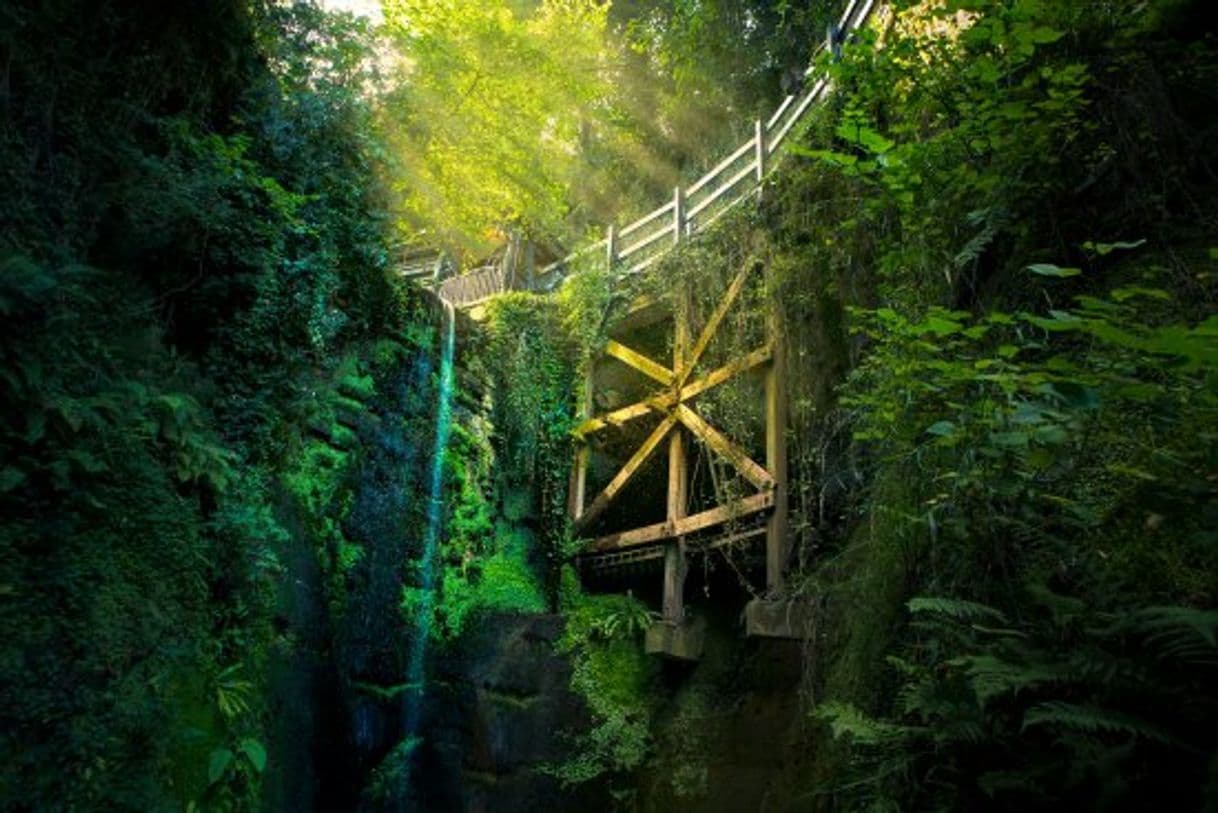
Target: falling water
column 415, row 669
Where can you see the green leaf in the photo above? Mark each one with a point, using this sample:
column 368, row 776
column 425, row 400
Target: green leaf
column 976, row 331
column 1053, row 435
column 1043, row 35
column 1072, row 394
column 1131, row 471
column 1104, row 249
column 940, row 326
column 255, row 753
column 837, row 159
column 865, row 137
column 941, row 428
column 1009, row 439
column 1058, row 322
column 1128, row 292
column 1049, row 270
column 61, row 475
column 847, row 720
column 218, row 763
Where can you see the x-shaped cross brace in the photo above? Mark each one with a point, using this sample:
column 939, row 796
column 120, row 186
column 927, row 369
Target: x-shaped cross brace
column 674, row 404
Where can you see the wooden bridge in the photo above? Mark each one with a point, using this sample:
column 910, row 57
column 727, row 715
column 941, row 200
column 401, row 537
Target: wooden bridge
column 747, row 500
column 664, row 411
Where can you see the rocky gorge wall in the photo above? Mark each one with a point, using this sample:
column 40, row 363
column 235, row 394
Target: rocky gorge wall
column 501, row 715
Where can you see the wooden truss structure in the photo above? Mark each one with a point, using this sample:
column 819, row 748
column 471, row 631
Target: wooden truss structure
column 673, row 399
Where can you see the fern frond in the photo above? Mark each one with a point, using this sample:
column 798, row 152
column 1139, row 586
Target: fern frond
column 1064, row 609
column 975, row 247
column 1092, row 720
column 1180, row 633
column 847, row 720
column 961, row 729
column 954, row 608
column 991, row 677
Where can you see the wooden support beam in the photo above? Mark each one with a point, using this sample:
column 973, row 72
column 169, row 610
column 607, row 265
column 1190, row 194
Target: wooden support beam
column 646, row 553
column 663, row 401
column 712, row 324
column 716, row 377
column 627, row 471
column 577, row 488
column 621, row 416
column 673, row 602
column 638, row 361
column 725, row 448
column 776, row 443
column 702, row 520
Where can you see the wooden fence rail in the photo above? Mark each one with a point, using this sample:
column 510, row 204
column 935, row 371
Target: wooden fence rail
column 638, row 245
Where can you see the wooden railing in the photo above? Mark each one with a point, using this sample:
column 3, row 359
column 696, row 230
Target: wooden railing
column 638, row 245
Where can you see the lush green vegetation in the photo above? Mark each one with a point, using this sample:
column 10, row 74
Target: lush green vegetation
column 196, row 316
column 1030, row 410
column 995, row 253
column 1002, row 319
column 555, row 118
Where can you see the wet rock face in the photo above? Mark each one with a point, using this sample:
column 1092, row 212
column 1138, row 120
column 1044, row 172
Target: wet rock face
column 497, row 713
column 733, row 733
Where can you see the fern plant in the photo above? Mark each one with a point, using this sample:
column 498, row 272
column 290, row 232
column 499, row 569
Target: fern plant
column 1066, row 704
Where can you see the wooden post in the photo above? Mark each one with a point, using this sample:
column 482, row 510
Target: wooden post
column 678, row 478
column 678, row 217
column 611, row 246
column 674, row 551
column 776, row 443
column 579, row 470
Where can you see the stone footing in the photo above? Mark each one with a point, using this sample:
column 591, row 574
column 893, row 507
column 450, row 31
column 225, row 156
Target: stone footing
column 777, row 618
column 680, row 641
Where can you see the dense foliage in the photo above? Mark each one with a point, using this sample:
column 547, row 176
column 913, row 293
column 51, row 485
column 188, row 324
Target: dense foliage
column 556, row 118
column 1030, row 410
column 1000, row 315
column 994, row 255
column 192, row 258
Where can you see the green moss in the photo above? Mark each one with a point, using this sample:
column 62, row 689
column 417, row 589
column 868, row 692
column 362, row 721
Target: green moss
column 614, row 676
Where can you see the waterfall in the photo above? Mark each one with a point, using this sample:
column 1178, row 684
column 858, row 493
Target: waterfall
column 416, row 665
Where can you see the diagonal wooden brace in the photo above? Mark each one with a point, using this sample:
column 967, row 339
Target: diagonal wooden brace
column 627, row 471
column 725, row 448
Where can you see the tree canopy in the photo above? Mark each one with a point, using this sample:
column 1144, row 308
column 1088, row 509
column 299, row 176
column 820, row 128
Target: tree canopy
column 561, row 115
